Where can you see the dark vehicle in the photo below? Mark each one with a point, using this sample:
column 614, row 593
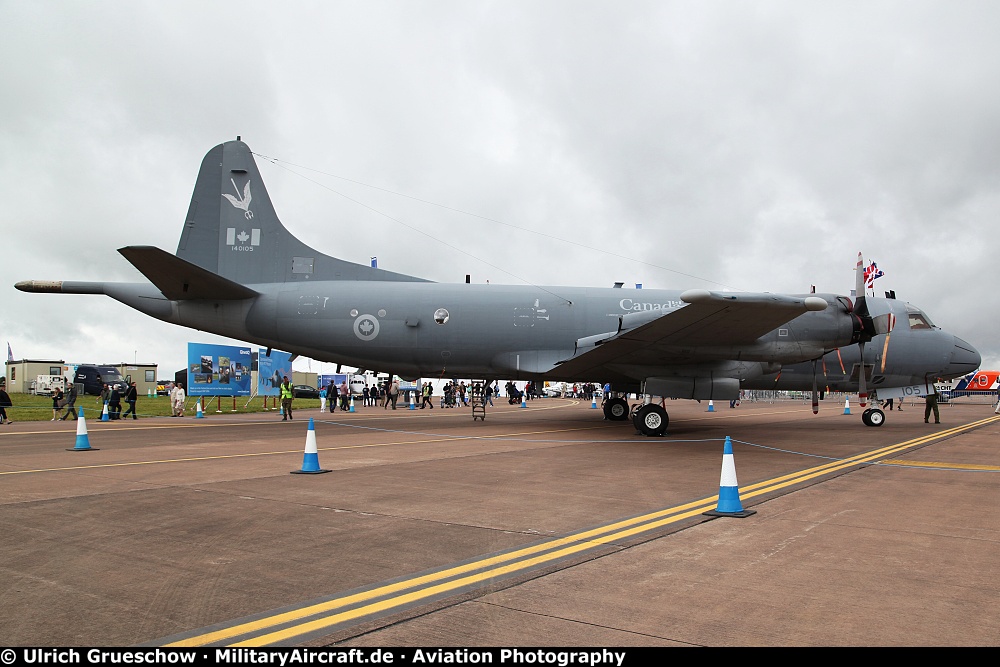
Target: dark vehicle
column 304, row 391
column 91, row 379
column 161, row 387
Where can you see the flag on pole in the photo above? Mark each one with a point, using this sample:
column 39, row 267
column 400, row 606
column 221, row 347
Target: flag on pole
column 10, row 355
column 871, row 273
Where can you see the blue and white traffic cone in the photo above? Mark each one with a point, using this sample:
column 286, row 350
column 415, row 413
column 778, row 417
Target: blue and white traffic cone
column 82, row 439
column 198, row 413
column 413, row 406
column 711, row 406
column 524, row 399
column 351, row 409
column 104, row 415
column 847, row 406
column 729, row 489
column 593, row 402
column 310, row 460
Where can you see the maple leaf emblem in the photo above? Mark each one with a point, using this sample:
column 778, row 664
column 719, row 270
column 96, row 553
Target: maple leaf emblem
column 366, row 327
column 243, row 236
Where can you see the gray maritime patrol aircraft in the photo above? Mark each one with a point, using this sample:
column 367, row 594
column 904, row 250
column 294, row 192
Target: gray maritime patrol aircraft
column 239, row 273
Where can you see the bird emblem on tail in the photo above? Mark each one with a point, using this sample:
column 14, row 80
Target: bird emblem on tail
column 241, row 203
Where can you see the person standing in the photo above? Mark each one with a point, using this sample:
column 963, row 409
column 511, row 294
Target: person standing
column 286, row 398
column 131, row 396
column 105, row 397
column 996, row 408
column 931, row 404
column 394, row 392
column 427, row 398
column 345, row 396
column 177, row 398
column 5, row 403
column 115, row 404
column 488, row 395
column 57, row 397
column 70, row 402
column 331, row 395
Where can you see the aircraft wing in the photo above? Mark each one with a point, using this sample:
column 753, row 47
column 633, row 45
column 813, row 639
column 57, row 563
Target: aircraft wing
column 709, row 320
column 180, row 280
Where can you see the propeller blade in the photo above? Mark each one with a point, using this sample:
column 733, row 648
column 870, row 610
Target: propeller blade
column 859, row 278
column 885, row 352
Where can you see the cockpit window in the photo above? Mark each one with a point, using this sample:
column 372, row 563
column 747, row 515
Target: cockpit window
column 918, row 320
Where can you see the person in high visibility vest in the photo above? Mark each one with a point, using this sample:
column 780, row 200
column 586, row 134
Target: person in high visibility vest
column 286, row 398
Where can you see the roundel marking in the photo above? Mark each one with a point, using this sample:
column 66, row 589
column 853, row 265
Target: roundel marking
column 366, row 327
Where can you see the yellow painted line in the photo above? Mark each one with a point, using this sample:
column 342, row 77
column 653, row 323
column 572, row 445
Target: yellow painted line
column 502, row 564
column 938, row 464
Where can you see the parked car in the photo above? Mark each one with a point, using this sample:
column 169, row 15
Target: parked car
column 304, row 391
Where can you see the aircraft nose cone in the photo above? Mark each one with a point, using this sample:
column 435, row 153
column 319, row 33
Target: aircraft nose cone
column 964, row 358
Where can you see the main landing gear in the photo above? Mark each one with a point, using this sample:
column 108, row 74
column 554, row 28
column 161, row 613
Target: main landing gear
column 649, row 419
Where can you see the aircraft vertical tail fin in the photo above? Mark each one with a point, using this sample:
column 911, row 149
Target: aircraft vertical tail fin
column 231, row 229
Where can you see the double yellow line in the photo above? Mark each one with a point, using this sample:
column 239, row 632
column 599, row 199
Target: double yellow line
column 324, row 616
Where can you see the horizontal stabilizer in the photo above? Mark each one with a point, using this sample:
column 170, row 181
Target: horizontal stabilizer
column 180, row 280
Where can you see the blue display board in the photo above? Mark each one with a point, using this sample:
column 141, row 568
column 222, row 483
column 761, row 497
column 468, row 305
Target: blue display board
column 218, row 370
column 270, row 371
column 336, row 378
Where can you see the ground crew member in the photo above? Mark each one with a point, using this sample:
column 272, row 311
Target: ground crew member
column 286, row 398
column 932, row 404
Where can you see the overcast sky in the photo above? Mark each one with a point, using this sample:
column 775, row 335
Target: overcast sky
column 726, row 145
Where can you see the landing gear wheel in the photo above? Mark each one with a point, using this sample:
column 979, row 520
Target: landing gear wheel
column 616, row 409
column 875, row 417
column 651, row 420
column 865, row 416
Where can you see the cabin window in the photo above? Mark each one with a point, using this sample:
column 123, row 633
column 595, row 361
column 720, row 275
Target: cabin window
column 441, row 315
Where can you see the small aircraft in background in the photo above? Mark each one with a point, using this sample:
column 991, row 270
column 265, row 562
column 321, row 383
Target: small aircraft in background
column 978, row 381
column 238, row 272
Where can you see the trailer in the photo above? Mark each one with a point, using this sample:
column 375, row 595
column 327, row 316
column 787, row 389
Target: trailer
column 47, row 384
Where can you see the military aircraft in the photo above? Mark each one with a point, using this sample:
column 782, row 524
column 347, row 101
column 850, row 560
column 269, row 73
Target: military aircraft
column 238, row 272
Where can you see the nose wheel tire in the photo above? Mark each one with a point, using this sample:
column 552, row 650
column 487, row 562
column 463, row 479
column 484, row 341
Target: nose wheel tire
column 873, row 417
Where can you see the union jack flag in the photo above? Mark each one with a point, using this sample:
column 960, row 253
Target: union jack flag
column 871, row 273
